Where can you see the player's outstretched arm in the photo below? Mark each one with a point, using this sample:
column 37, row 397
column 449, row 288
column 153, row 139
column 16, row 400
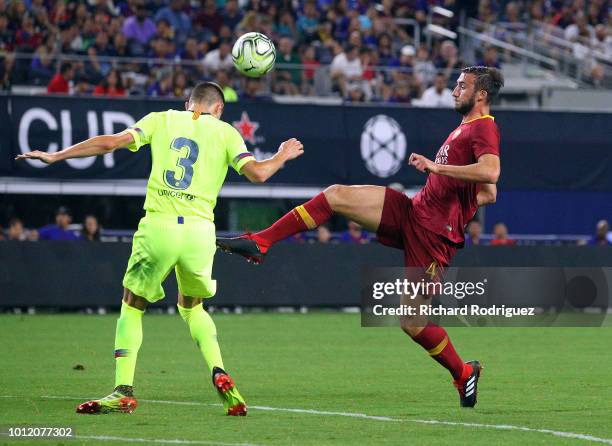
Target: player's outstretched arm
column 485, row 170
column 261, row 171
column 98, row 145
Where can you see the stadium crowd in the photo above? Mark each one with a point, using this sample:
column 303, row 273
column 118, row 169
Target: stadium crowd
column 162, row 47
column 91, row 230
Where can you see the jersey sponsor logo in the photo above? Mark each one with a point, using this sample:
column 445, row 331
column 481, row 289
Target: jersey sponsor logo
column 442, row 155
column 175, row 194
column 383, row 146
column 246, row 127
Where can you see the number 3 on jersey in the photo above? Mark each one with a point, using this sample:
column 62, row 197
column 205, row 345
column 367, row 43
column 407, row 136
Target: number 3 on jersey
column 183, row 181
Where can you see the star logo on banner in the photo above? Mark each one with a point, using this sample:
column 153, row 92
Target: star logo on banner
column 246, row 127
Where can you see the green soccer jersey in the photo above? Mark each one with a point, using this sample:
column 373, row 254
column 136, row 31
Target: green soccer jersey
column 190, row 160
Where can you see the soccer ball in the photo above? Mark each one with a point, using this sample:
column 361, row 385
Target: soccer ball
column 254, row 54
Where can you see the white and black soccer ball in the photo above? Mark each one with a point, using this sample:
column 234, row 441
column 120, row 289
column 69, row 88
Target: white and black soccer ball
column 383, row 146
column 254, row 54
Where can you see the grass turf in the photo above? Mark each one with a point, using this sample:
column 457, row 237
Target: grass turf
column 541, row 378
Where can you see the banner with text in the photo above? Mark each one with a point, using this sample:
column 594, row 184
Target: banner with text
column 350, row 144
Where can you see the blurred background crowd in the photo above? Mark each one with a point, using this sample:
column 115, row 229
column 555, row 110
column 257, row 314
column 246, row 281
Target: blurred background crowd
column 370, row 50
column 89, row 229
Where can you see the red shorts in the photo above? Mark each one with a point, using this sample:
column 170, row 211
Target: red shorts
column 399, row 229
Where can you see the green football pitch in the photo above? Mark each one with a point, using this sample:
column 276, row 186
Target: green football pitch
column 309, row 379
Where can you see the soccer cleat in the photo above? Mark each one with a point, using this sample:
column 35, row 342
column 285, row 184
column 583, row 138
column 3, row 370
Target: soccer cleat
column 232, row 400
column 245, row 246
column 115, row 402
column 468, row 389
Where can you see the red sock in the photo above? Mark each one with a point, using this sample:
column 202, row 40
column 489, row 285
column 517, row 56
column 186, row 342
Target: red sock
column 435, row 340
column 302, row 218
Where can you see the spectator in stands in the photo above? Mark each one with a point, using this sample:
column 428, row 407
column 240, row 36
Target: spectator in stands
column 191, row 57
column 7, row 36
column 120, row 46
column 41, row 68
column 59, row 231
column 500, row 231
column 162, row 48
column 355, row 234
column 231, row 15
column 139, row 28
column 91, row 229
column 97, row 69
column 163, row 30
column 285, row 27
column 487, row 11
column 310, row 65
column 209, row 19
column 181, row 85
column 602, row 234
column 324, row 235
column 307, row 22
column 178, row 20
column 286, row 78
column 223, row 80
column 17, row 232
column 401, row 93
column 424, row 69
column 60, row 83
column 219, row 58
column 473, row 230
column 162, row 87
column 27, row 37
column 112, row 85
column 490, row 58
column 355, row 93
column 602, row 41
column 448, row 59
column 579, row 29
column 437, row 95
column 346, row 67
column 253, row 91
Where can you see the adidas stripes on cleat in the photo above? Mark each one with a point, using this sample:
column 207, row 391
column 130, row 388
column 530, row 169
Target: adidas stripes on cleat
column 245, row 246
column 233, row 402
column 468, row 389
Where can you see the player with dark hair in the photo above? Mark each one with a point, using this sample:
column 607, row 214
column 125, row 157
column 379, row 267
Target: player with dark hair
column 429, row 227
column 191, row 152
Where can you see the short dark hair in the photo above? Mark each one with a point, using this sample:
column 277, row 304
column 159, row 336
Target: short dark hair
column 65, row 67
column 488, row 79
column 207, row 93
column 14, row 220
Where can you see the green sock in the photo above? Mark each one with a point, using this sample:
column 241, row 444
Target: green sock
column 128, row 338
column 204, row 332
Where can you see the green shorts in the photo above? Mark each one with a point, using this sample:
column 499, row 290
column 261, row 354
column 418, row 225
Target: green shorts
column 164, row 242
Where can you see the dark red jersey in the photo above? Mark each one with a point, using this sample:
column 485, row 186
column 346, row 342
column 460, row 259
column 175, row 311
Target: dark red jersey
column 445, row 204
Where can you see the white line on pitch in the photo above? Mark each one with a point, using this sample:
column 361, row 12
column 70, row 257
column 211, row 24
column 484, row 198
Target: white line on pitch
column 506, row 427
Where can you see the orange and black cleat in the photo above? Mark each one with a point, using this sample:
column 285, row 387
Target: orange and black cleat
column 233, row 402
column 115, row 402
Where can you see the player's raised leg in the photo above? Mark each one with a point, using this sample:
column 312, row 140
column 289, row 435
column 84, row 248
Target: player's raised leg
column 362, row 204
column 436, row 341
column 204, row 333
column 128, row 338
